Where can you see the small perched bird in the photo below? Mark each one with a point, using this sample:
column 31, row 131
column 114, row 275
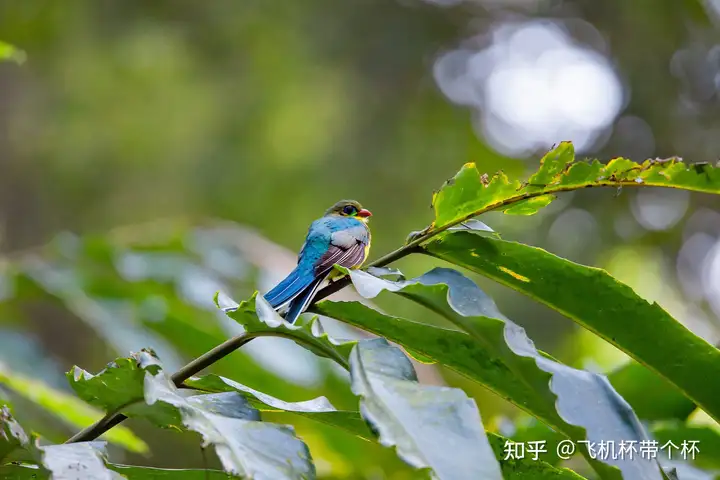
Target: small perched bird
column 340, row 237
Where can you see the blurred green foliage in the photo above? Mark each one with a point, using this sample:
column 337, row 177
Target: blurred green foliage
column 128, row 113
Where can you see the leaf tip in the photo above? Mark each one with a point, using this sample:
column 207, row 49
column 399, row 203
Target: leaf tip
column 216, row 299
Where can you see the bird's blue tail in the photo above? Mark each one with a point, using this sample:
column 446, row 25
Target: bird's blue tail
column 295, row 283
column 300, row 303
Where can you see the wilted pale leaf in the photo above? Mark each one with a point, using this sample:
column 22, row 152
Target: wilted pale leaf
column 318, row 409
column 431, row 427
column 77, row 460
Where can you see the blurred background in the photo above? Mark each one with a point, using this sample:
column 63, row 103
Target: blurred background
column 152, row 153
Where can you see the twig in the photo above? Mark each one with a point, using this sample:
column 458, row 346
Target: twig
column 97, row 428
column 207, row 359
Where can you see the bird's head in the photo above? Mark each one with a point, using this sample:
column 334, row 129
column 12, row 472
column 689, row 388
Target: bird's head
column 349, row 208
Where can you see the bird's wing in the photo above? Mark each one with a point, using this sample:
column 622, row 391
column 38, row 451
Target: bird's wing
column 347, row 249
column 317, row 239
column 316, row 244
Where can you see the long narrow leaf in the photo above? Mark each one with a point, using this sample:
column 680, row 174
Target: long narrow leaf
column 652, row 397
column 600, row 303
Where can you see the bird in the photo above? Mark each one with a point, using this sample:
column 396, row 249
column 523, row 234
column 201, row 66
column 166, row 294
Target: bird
column 340, row 237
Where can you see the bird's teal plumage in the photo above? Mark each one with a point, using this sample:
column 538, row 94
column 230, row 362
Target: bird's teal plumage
column 337, row 238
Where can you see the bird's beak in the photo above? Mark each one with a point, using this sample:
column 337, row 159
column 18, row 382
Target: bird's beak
column 364, row 213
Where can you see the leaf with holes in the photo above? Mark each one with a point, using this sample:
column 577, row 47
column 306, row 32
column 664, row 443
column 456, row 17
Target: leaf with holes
column 469, row 194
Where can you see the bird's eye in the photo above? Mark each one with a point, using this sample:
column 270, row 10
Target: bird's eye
column 349, row 210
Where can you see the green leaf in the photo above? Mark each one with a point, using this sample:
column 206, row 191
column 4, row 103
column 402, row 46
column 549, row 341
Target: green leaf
column 12, row 435
column 118, row 385
column 9, row 52
column 139, row 387
column 259, row 319
column 132, row 472
column 530, row 429
column 469, row 194
column 318, row 409
column 59, row 461
column 707, row 438
column 529, row 206
column 600, row 303
column 527, row 468
column 68, row 408
column 652, row 397
column 431, row 427
column 563, row 397
column 23, row 472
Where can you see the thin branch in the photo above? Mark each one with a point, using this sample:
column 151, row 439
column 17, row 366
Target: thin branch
column 98, row 428
column 207, row 359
